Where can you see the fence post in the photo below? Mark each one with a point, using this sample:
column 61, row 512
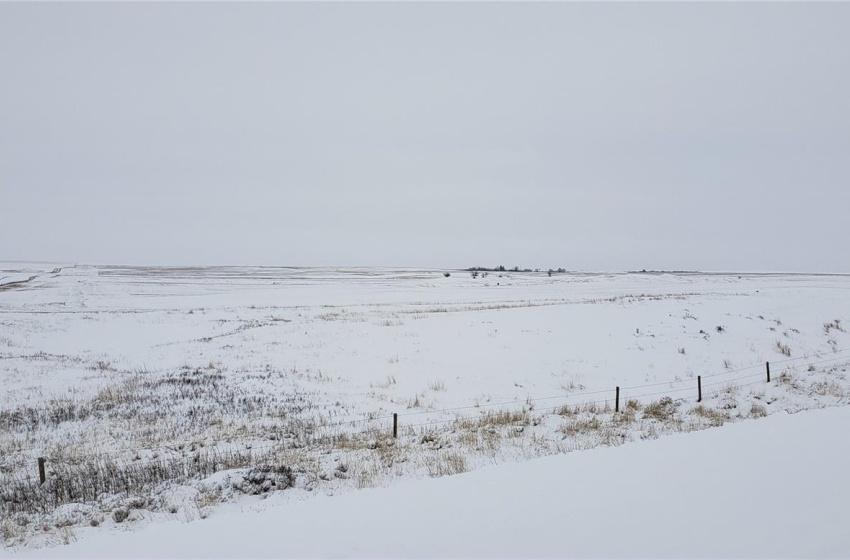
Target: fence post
column 617, row 400
column 699, row 388
column 395, row 424
column 767, row 366
column 41, row 476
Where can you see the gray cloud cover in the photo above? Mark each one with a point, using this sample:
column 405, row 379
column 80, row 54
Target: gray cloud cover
column 589, row 136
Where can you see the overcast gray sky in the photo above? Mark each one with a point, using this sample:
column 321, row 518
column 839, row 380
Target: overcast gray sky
column 588, row 136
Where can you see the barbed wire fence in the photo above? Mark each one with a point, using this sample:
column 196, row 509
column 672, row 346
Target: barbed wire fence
column 91, row 475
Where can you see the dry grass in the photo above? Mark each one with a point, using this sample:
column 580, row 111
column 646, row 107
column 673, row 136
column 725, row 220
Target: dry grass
column 758, row 411
column 828, row 389
column 580, row 426
column 626, row 416
column 566, row 410
column 494, row 418
column 715, row 417
column 663, row 409
column 783, row 349
column 371, row 438
column 785, row 378
column 571, row 386
column 386, row 383
column 437, row 385
column 835, row 324
column 446, row 464
column 589, row 408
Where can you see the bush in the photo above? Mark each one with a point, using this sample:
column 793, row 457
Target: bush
column 266, row 478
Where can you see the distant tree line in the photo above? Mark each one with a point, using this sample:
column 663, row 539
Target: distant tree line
column 474, row 270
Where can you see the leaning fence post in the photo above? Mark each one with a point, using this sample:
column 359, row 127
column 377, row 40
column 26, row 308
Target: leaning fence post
column 395, row 424
column 617, row 400
column 699, row 388
column 41, row 476
column 767, row 366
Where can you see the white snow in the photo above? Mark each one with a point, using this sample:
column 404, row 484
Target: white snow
column 771, row 488
column 139, row 364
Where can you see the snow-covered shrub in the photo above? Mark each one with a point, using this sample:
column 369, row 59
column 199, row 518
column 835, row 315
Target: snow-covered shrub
column 266, row 478
column 120, row 515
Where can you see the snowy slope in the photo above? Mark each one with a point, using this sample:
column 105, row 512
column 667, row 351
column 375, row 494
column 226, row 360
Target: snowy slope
column 774, row 488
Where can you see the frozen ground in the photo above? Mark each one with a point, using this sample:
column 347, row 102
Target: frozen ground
column 157, row 394
column 772, row 488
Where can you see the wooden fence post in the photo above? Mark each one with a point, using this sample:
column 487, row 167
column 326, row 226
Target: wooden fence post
column 41, row 476
column 395, row 424
column 617, row 400
column 699, row 388
column 767, row 366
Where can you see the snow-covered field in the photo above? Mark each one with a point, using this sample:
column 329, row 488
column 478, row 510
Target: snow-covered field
column 156, row 394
